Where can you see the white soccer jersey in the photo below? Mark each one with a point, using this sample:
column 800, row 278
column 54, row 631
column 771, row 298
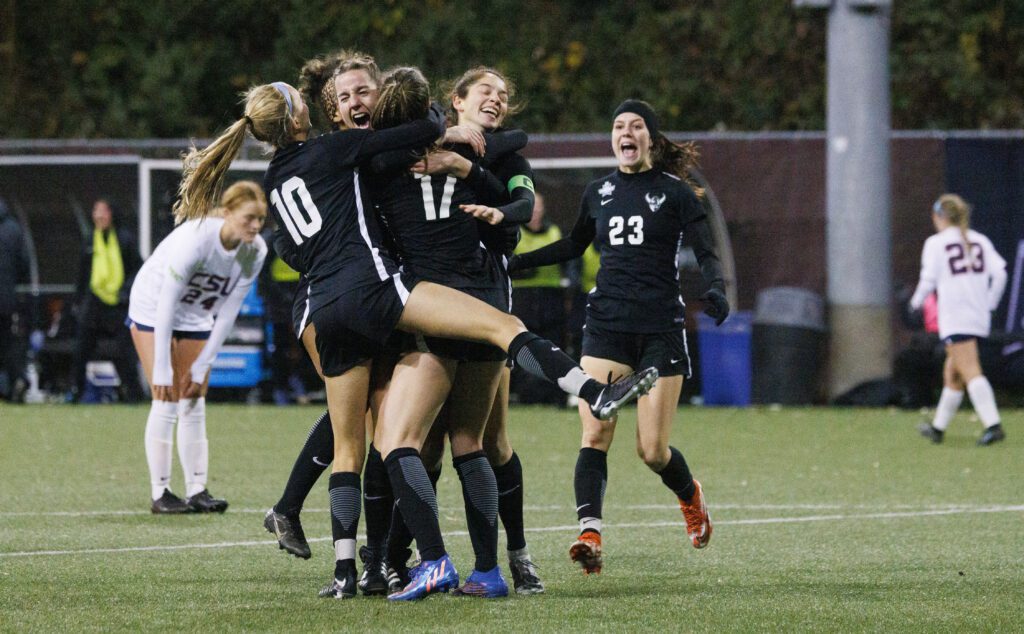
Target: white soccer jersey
column 189, row 279
column 969, row 283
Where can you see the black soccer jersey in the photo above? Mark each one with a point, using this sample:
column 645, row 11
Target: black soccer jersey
column 322, row 212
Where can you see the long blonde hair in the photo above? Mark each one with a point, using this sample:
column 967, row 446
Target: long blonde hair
column 958, row 212
column 266, row 118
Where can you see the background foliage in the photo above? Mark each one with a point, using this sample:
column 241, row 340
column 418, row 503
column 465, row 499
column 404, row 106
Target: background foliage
column 127, row 69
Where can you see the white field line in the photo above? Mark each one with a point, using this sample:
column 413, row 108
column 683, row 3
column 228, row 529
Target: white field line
column 548, row 529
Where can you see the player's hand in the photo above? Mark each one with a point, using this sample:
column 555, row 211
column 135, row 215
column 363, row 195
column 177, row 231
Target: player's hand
column 490, row 215
column 443, row 162
column 717, row 305
column 192, row 391
column 162, row 393
column 464, row 134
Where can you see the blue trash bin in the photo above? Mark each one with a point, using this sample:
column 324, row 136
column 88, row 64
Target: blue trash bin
column 725, row 368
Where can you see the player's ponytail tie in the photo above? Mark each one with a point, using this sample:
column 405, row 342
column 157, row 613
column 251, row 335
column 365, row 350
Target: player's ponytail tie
column 248, row 121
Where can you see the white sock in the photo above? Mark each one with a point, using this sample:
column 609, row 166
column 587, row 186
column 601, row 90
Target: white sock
column 590, row 523
column 949, row 403
column 984, row 400
column 159, row 445
column 193, row 449
column 573, row 382
column 344, row 549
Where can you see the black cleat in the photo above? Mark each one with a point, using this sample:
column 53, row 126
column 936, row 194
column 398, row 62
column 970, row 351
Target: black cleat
column 288, row 530
column 374, row 580
column 524, row 573
column 341, row 588
column 170, row 504
column 929, row 432
column 627, row 389
column 992, row 434
column 203, row 502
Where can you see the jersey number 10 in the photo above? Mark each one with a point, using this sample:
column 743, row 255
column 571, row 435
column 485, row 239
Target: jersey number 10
column 299, row 224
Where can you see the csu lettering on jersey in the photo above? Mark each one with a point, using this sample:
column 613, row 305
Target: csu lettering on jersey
column 204, row 283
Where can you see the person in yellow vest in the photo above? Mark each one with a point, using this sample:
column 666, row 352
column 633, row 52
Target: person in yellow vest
column 108, row 264
column 539, row 300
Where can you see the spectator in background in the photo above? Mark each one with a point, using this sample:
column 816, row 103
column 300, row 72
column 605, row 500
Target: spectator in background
column 109, row 261
column 582, row 280
column 539, row 300
column 14, row 268
column 278, row 283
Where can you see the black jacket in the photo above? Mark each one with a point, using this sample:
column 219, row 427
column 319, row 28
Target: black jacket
column 14, row 265
column 129, row 256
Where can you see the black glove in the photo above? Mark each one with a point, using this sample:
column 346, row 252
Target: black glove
column 717, row 305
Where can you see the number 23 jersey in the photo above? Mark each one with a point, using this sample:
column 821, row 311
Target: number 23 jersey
column 639, row 221
column 192, row 263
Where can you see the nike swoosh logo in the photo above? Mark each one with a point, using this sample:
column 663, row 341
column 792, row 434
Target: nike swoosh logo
column 322, row 464
column 605, row 202
column 508, row 491
column 674, row 361
column 582, row 506
column 371, row 498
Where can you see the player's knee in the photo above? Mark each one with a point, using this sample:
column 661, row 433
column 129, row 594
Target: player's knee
column 655, row 456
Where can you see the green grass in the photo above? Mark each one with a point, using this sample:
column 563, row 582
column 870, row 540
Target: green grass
column 834, row 520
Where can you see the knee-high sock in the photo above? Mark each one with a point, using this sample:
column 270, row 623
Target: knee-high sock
column 510, row 501
column 399, row 536
column 590, row 481
column 949, row 403
column 193, row 447
column 160, row 445
column 377, row 500
column 676, row 476
column 480, row 495
column 416, row 500
column 545, row 360
column 345, row 505
column 984, row 400
column 315, row 456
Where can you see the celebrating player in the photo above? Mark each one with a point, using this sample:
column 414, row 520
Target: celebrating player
column 203, row 268
column 969, row 275
column 637, row 217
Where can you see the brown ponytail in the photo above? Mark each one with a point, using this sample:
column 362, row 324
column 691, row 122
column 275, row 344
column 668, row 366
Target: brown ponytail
column 676, row 159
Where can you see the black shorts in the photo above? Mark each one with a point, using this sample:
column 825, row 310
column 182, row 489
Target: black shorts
column 300, row 307
column 460, row 349
column 355, row 326
column 198, row 335
column 666, row 351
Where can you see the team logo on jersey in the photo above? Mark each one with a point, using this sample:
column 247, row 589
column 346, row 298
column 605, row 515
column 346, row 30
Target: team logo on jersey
column 606, row 190
column 654, row 202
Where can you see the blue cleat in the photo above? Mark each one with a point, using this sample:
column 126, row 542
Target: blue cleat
column 486, row 585
column 432, row 576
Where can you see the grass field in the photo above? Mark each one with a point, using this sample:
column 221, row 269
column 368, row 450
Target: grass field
column 829, row 520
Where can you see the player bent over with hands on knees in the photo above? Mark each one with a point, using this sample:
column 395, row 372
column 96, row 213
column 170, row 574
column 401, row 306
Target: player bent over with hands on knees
column 203, row 268
column 359, row 297
column 969, row 275
column 636, row 217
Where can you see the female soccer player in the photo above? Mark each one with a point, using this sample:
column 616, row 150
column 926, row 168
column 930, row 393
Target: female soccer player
column 637, row 217
column 203, row 268
column 969, row 275
column 358, row 297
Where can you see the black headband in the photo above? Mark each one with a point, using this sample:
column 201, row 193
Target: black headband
column 641, row 109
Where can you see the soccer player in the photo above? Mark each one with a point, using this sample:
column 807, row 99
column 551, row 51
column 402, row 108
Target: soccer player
column 636, row 217
column 969, row 275
column 358, row 297
column 202, row 269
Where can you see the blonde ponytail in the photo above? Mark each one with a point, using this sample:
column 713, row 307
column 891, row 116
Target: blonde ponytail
column 958, row 212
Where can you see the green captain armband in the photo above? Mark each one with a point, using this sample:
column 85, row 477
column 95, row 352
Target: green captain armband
column 520, row 180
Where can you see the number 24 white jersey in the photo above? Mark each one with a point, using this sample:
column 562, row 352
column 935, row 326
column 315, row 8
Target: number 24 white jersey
column 969, row 278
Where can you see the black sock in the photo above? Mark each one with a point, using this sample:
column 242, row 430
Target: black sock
column 377, row 500
column 590, row 480
column 676, row 476
column 545, row 360
column 510, row 501
column 480, row 494
column 416, row 500
column 345, row 505
column 399, row 546
column 315, row 456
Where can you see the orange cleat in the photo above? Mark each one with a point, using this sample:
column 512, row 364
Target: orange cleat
column 586, row 551
column 698, row 522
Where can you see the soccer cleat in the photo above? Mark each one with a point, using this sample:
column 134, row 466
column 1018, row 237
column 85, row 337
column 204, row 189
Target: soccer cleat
column 929, row 432
column 170, row 504
column 288, row 530
column 203, row 502
column 992, row 434
column 341, row 588
column 486, row 585
column 374, row 580
column 395, row 580
column 627, row 389
column 586, row 551
column 430, row 577
column 698, row 522
column 524, row 574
